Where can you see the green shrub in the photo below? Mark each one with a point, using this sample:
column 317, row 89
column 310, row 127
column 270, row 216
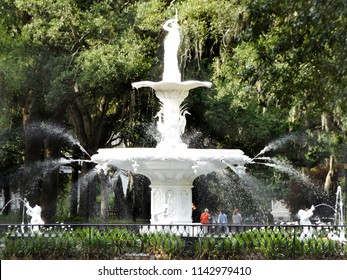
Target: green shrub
column 116, row 242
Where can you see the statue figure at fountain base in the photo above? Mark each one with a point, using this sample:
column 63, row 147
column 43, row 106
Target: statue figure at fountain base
column 304, row 215
column 35, row 213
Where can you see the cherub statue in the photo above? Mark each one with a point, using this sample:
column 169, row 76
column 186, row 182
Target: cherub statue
column 35, row 213
column 304, row 215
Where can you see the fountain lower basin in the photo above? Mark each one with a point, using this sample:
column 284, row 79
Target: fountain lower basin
column 171, row 172
column 191, row 162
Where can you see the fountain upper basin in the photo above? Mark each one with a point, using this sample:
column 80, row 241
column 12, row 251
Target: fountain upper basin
column 171, row 85
column 172, row 90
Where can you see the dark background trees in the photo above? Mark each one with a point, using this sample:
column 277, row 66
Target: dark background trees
column 66, row 67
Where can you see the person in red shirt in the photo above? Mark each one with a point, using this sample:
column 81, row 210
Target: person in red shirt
column 205, row 219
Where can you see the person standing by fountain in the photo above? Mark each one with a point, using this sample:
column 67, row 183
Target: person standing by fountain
column 205, row 219
column 195, row 214
column 237, row 217
column 223, row 219
column 269, row 217
column 304, row 216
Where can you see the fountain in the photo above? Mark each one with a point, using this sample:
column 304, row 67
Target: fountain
column 337, row 234
column 339, row 217
column 171, row 166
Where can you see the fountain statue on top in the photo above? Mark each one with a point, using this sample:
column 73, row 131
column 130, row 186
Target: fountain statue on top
column 171, row 91
column 171, row 45
column 171, row 166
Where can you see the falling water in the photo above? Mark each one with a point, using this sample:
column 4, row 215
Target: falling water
column 339, row 215
column 282, row 166
column 326, row 205
column 253, row 185
column 23, row 212
column 338, row 209
column 8, row 202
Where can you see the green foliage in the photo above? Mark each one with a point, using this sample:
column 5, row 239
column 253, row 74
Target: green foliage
column 270, row 244
column 61, row 242
column 163, row 245
column 110, row 62
column 276, row 67
column 105, row 242
column 296, row 52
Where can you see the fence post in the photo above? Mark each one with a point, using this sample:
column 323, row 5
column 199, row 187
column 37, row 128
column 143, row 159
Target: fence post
column 294, row 242
column 89, row 241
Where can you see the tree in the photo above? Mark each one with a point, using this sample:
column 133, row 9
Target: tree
column 301, row 52
column 276, row 68
column 80, row 55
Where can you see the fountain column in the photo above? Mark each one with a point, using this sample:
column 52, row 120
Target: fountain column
column 171, row 196
column 171, row 188
column 171, row 204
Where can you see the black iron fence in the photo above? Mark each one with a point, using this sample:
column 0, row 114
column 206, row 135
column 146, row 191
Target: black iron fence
column 190, row 241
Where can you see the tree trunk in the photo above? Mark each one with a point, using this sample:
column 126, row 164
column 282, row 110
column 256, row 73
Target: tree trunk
column 50, row 183
column 88, row 131
column 87, row 206
column 33, row 151
column 74, row 191
column 103, row 197
column 326, row 122
column 330, row 179
column 7, row 197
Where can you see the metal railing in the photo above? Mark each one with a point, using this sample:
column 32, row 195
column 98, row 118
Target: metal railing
column 189, row 241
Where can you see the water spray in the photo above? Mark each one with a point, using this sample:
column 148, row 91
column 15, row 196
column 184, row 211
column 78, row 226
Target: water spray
column 278, row 142
column 263, row 151
column 326, row 205
column 82, row 149
column 24, row 203
column 18, row 198
column 339, row 215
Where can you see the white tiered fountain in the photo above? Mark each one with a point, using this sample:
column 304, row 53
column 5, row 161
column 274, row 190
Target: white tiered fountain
column 171, row 166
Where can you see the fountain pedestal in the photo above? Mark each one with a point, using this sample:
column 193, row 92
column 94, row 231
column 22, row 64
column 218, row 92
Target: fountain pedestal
column 171, row 118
